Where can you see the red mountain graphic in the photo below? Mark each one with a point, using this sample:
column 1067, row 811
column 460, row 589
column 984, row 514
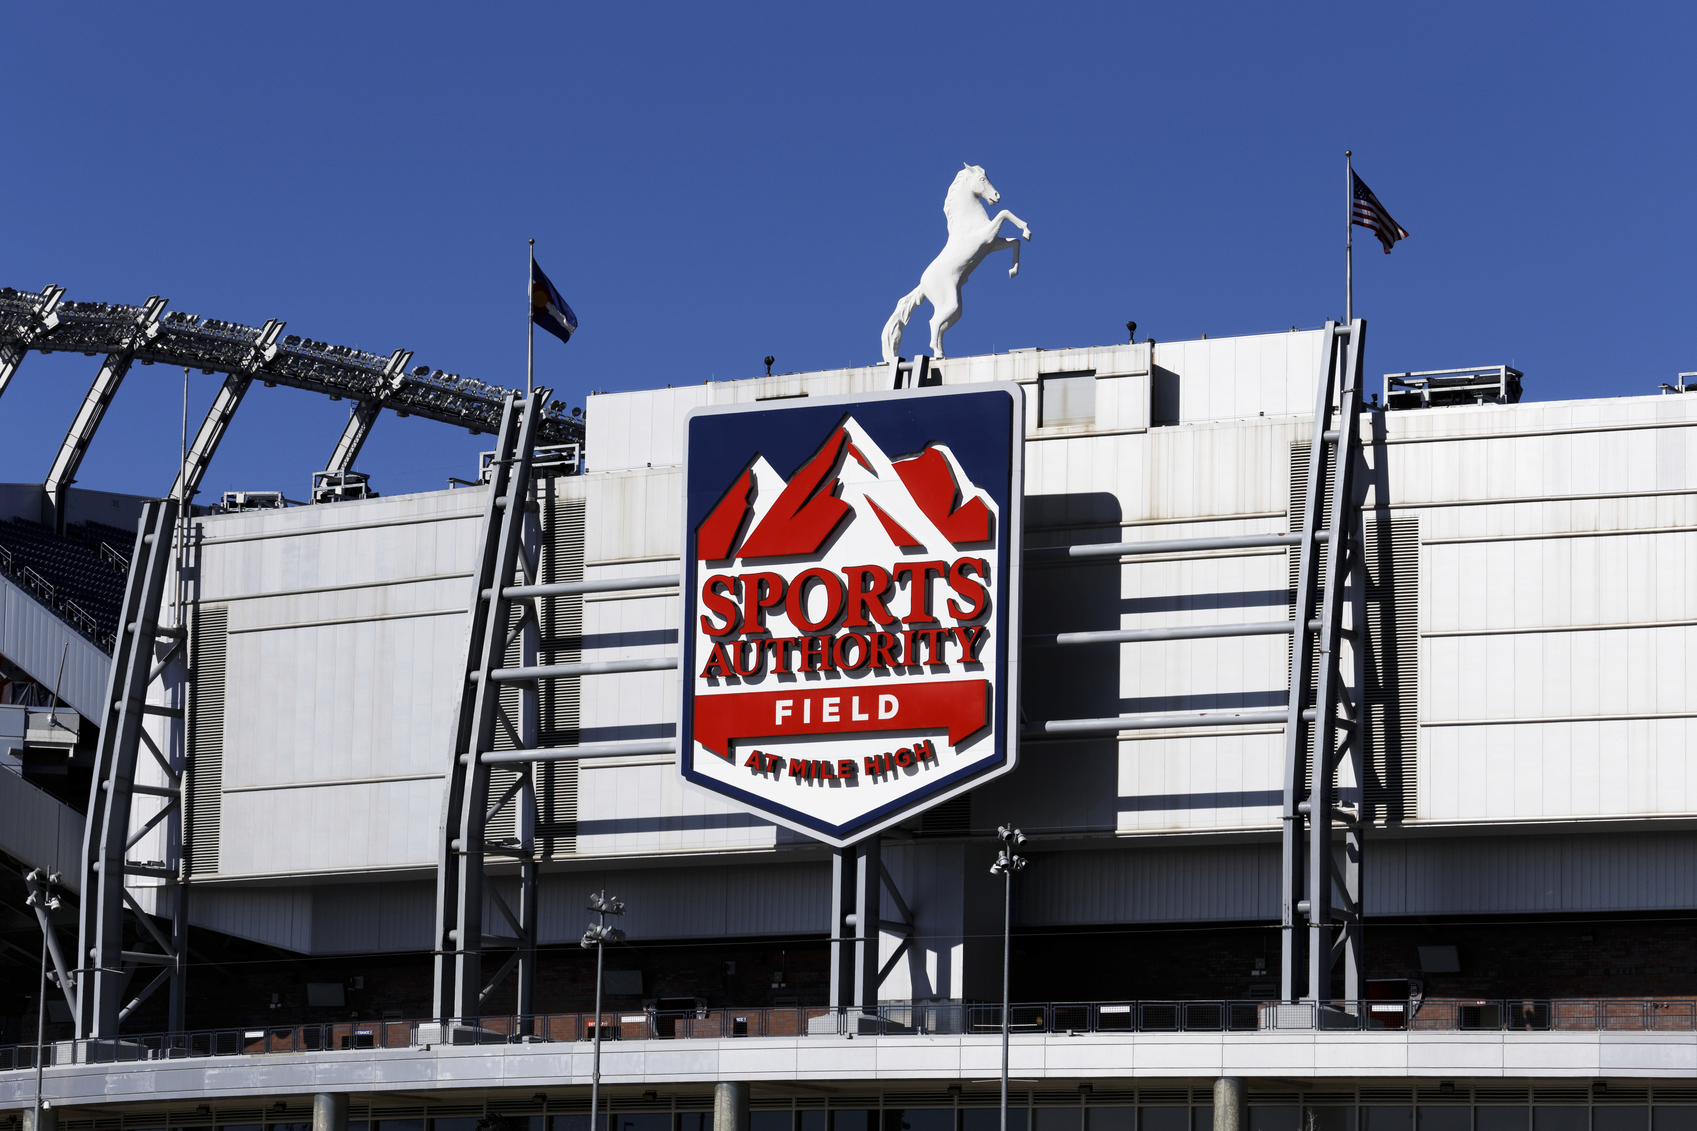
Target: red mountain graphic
column 809, row 509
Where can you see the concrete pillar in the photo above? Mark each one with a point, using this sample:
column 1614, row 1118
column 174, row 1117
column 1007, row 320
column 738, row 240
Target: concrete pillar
column 49, row 1119
column 1231, row 1104
column 330, row 1111
column 730, row 1106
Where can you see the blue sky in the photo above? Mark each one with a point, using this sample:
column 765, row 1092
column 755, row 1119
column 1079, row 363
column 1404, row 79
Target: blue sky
column 710, row 184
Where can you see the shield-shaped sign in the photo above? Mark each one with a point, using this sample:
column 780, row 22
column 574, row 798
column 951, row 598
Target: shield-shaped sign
column 850, row 603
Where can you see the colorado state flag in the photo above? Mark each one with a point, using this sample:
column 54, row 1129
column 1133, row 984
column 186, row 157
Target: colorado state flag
column 547, row 309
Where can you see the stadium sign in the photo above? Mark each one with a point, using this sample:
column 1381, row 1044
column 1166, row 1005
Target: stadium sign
column 850, row 603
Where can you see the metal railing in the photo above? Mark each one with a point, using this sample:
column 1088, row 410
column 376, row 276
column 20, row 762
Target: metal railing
column 917, row 1018
column 47, row 594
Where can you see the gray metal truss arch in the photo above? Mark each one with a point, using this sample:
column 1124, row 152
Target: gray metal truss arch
column 144, row 651
column 509, row 544
column 125, row 334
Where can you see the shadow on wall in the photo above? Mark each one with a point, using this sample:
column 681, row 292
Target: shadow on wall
column 1163, row 396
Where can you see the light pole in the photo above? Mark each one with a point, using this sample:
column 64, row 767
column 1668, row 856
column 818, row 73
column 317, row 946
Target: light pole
column 597, row 936
column 45, row 901
column 1007, row 863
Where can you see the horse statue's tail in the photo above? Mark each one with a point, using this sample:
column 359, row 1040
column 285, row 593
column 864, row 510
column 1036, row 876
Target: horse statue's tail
column 893, row 328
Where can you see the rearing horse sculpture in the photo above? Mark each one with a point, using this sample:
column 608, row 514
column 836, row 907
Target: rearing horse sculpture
column 973, row 234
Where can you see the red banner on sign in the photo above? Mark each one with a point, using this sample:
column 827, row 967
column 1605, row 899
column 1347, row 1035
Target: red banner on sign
column 908, row 706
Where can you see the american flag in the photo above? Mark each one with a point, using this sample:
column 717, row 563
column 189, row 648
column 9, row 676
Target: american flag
column 1370, row 214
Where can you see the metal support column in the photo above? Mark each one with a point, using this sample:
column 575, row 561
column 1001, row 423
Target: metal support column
column 458, row 984
column 857, row 882
column 107, row 838
column 330, row 1111
column 730, row 1106
column 1231, row 1104
column 1322, row 727
column 364, row 415
column 530, row 733
column 43, row 319
column 224, row 406
column 868, row 892
column 842, row 933
column 100, row 394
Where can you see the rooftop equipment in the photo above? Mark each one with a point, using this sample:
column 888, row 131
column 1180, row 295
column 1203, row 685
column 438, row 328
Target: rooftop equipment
column 252, row 501
column 1443, row 388
column 341, row 486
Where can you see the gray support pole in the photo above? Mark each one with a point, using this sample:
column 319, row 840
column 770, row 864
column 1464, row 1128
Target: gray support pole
column 177, row 1011
column 330, row 1111
column 64, row 470
column 353, row 436
column 49, row 1119
column 100, row 944
column 868, row 892
column 1353, row 764
column 365, row 412
column 730, row 1106
column 530, row 734
column 1333, row 736
column 457, row 991
column 1231, row 1104
column 75, row 444
column 211, row 431
column 842, row 937
column 1292, row 968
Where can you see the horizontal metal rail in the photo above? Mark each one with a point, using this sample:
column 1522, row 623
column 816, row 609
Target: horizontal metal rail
column 1099, row 550
column 1191, row 632
column 591, row 667
column 601, row 585
column 1173, row 546
column 1066, row 728
column 586, row 750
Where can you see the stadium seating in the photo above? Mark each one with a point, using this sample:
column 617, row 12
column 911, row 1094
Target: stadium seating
column 80, row 576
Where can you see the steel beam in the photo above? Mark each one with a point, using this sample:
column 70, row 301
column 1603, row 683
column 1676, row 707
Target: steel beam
column 40, row 320
column 1146, row 635
column 1324, row 729
column 868, row 917
column 365, row 412
column 215, row 346
column 600, row 585
column 458, row 986
column 64, row 470
column 588, row 750
column 224, row 405
column 1059, row 728
column 1170, row 546
column 592, row 667
column 101, row 982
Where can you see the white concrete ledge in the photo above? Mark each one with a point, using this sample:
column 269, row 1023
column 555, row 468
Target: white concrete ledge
column 814, row 1060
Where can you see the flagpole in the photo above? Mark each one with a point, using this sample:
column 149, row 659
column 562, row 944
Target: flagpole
column 530, row 324
column 1348, row 239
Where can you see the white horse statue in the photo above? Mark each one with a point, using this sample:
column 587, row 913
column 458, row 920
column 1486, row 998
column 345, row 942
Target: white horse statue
column 973, row 234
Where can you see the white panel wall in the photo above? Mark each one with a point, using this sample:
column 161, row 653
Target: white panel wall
column 37, row 640
column 38, row 829
column 346, row 635
column 645, row 809
column 1558, row 546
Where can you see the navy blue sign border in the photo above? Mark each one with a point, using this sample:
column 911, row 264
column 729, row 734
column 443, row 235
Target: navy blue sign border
column 981, row 425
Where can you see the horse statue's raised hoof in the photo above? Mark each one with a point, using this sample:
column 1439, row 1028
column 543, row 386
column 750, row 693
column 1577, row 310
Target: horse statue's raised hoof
column 1013, row 272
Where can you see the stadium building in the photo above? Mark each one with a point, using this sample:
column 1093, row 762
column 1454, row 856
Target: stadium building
column 1352, row 737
